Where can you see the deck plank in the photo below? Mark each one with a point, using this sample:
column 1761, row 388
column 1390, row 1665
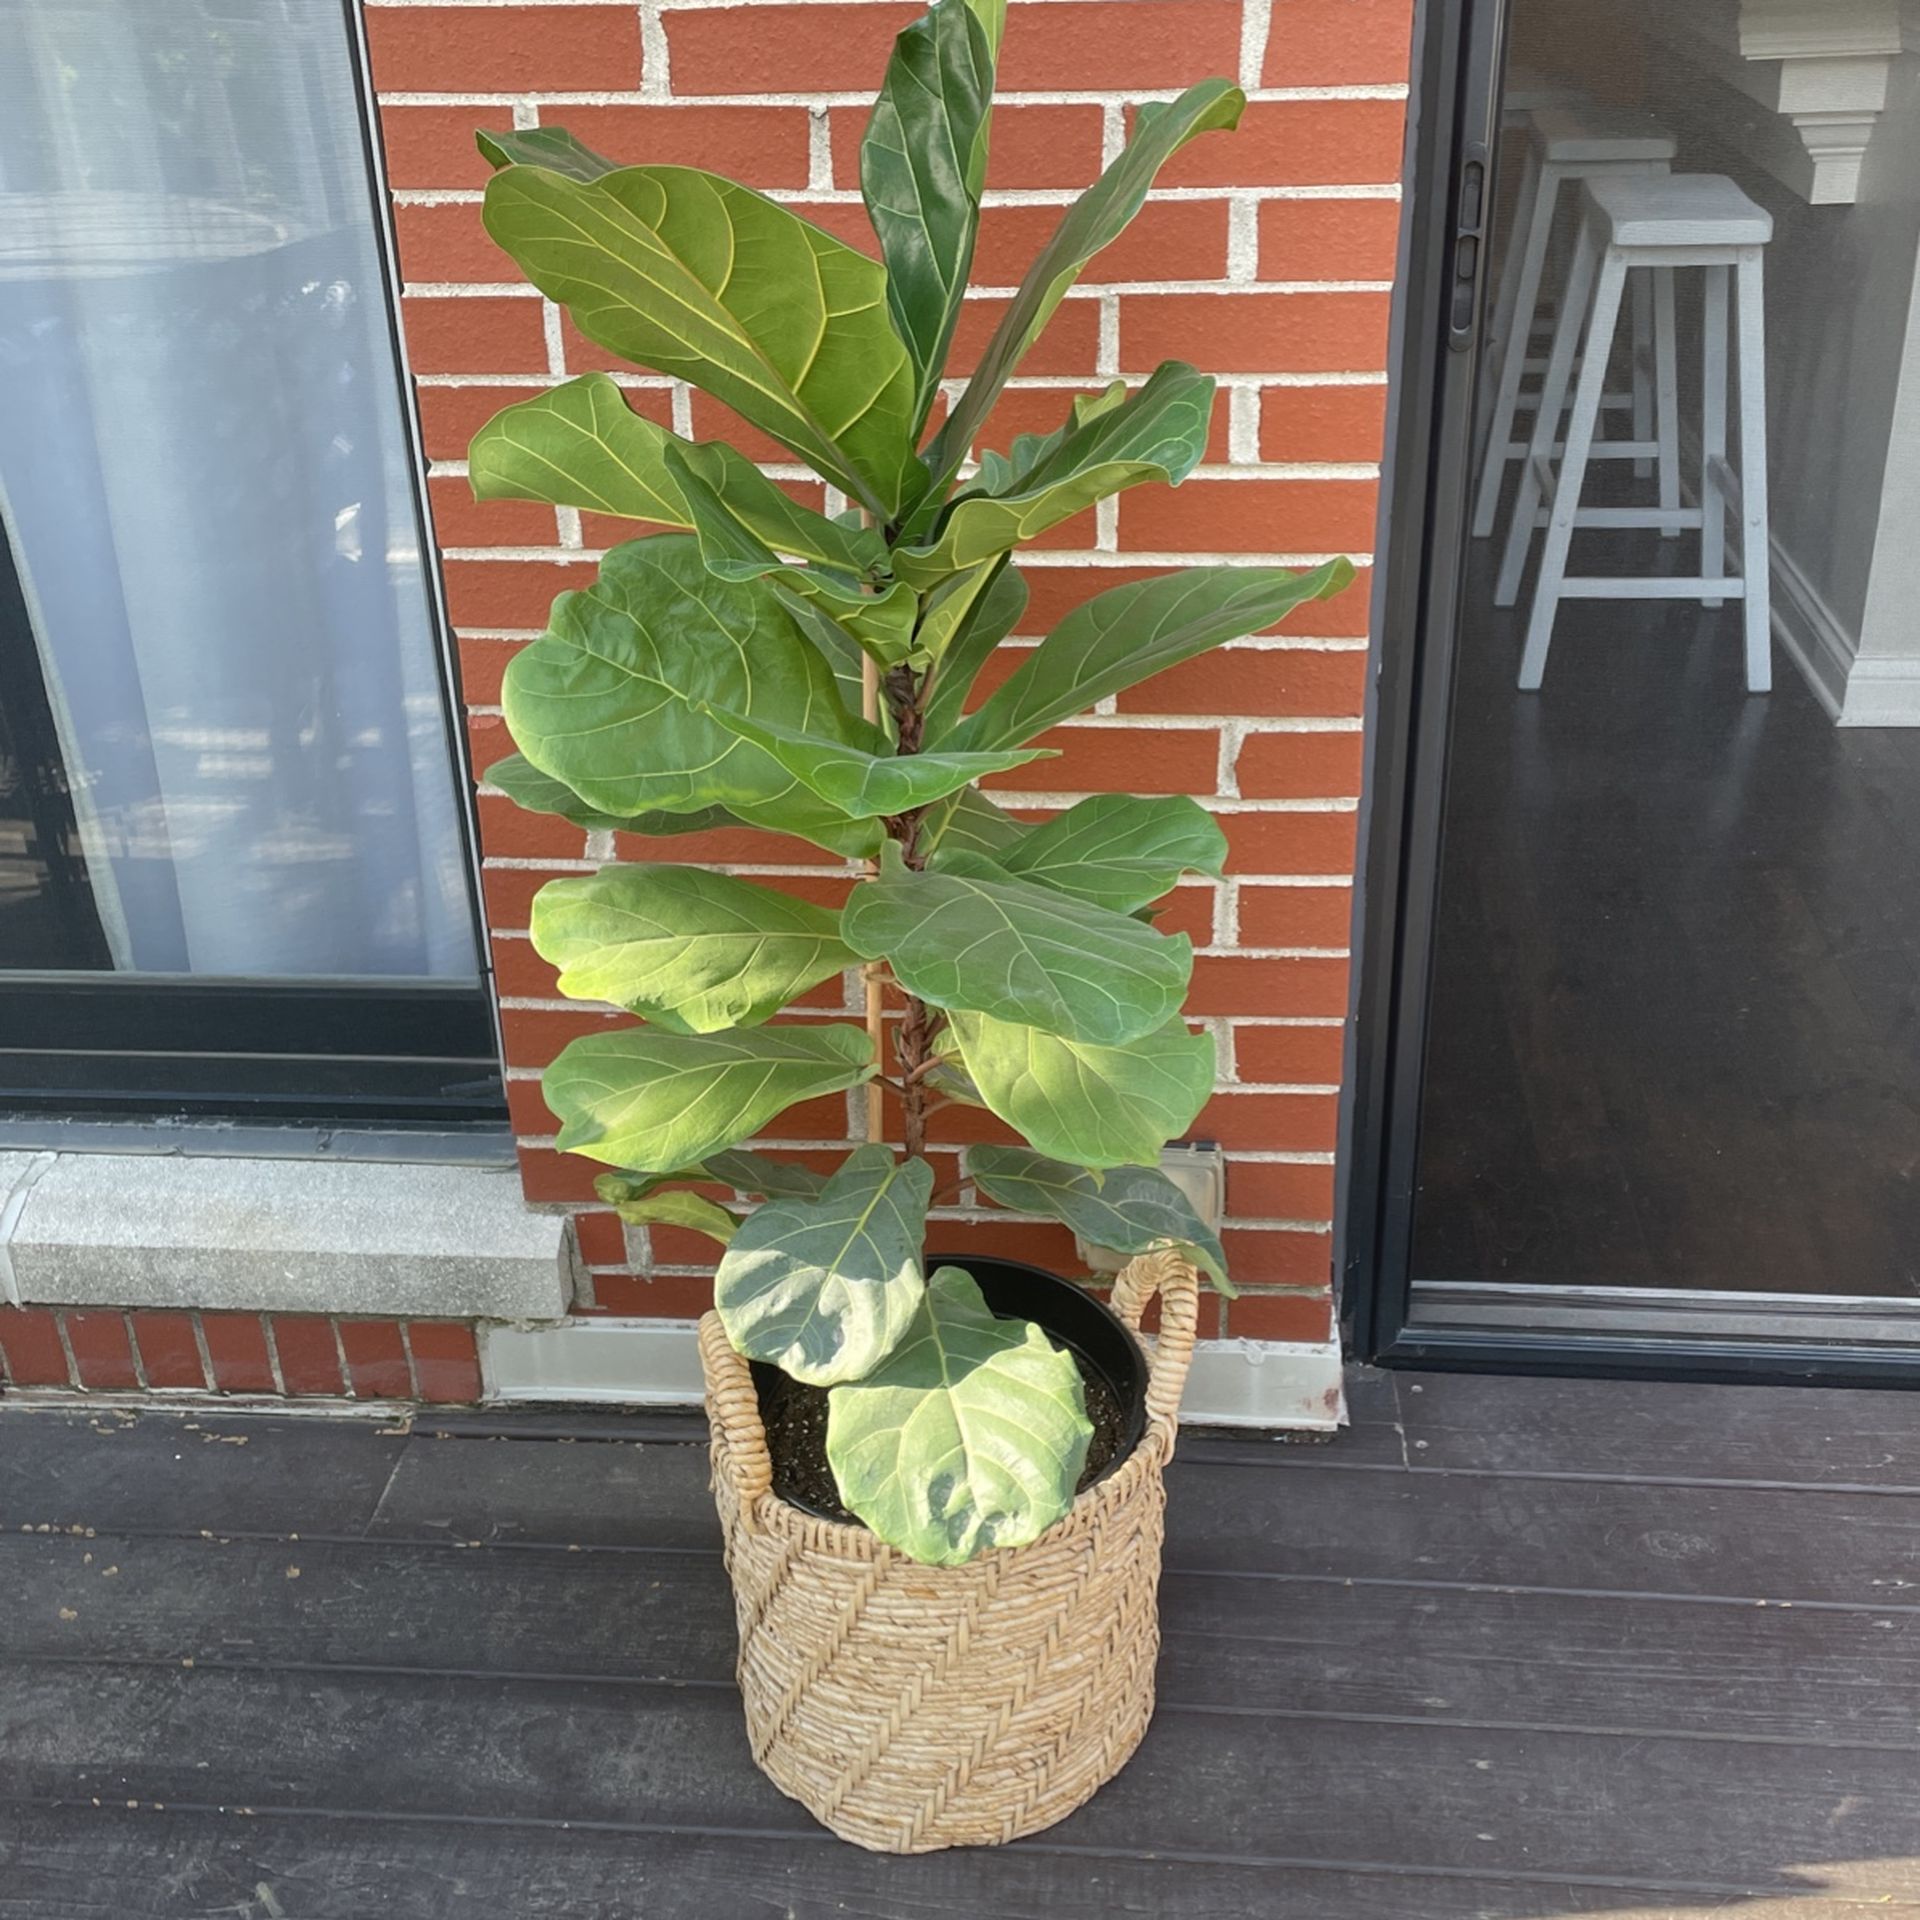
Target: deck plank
column 1399, row 1682
column 100, row 1864
column 1419, row 1798
column 1309, row 1647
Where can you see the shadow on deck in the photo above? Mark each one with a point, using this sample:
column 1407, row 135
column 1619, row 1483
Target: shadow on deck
column 1507, row 1649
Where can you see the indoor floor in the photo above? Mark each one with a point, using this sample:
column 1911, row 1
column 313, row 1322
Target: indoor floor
column 1676, row 1017
column 1506, row 1649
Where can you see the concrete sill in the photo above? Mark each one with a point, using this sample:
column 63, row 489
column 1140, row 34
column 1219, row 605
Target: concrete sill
column 276, row 1235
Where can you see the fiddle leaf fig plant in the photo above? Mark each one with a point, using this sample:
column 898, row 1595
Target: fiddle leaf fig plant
column 749, row 660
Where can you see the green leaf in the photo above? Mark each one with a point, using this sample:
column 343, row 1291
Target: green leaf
column 1003, row 473
column 741, row 538
column 686, row 949
column 970, row 1435
column 990, row 619
column 606, row 700
column 1129, row 633
column 867, row 786
column 1117, row 850
column 676, row 1207
column 1127, row 1210
column 700, row 278
column 824, row 1287
column 749, row 1172
column 972, row 822
column 992, row 15
column 969, row 936
column 1158, row 433
column 526, row 786
column 923, row 163
column 578, row 445
column 581, row 445
column 1098, row 217
column 1095, row 1106
column 552, row 147
column 646, row 1099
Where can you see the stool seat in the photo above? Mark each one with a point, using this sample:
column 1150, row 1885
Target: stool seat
column 1578, row 134
column 1569, row 143
column 1526, row 91
column 1680, row 210
column 1651, row 230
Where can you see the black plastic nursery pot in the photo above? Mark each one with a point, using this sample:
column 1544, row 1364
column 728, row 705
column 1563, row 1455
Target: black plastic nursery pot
column 1069, row 1316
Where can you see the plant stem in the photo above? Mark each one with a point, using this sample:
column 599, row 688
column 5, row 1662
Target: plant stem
column 905, row 692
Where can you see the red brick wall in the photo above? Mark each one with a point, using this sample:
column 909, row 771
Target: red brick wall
column 1265, row 257
column 105, row 1350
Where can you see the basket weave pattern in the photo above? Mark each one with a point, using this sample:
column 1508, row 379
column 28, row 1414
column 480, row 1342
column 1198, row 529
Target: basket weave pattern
column 911, row 1708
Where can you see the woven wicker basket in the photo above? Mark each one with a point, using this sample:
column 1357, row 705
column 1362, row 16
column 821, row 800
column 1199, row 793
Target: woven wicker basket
column 911, row 1708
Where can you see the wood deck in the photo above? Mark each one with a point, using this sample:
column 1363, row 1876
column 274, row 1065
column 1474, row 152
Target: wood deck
column 1507, row 1649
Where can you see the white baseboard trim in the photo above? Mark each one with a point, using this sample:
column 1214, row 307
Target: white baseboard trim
column 1811, row 632
column 1292, row 1384
column 1856, row 690
column 1882, row 693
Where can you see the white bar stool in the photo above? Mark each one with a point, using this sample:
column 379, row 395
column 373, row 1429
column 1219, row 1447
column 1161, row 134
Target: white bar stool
column 1656, row 225
column 1525, row 91
column 1567, row 144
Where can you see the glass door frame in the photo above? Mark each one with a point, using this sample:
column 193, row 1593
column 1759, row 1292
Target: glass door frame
column 1454, row 128
column 378, row 1054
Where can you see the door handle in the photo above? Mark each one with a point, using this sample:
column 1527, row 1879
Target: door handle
column 1469, row 246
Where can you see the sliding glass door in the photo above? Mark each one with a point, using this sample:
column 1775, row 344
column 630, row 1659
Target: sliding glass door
column 1649, row 1076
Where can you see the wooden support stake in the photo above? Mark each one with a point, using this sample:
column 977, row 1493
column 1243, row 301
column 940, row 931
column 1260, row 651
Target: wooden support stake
column 870, row 974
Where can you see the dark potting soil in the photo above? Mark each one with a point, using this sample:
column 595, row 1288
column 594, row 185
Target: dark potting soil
column 795, row 1417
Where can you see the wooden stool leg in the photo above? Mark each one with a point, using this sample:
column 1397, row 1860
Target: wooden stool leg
column 1643, row 355
column 1513, row 347
column 1756, row 555
column 1667, row 394
column 1546, row 422
column 1714, row 323
column 1573, row 468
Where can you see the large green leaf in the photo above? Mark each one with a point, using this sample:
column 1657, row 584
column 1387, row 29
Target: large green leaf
column 581, row 445
column 1098, row 217
column 606, row 700
column 552, row 147
column 686, row 949
column 868, row 786
column 922, row 166
column 677, row 1207
column 988, row 621
column 1128, row 1209
column 1117, row 850
column 650, row 1100
column 970, row 1435
column 972, row 822
column 737, row 546
column 697, row 277
column 970, row 936
column 750, row 1172
column 825, row 1287
column 577, row 445
column 1096, row 1106
column 526, row 786
column 1158, row 433
column 1129, row 633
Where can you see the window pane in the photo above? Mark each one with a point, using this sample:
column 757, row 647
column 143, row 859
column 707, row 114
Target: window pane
column 224, row 749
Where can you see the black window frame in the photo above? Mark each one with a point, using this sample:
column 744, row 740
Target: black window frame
column 99, row 1045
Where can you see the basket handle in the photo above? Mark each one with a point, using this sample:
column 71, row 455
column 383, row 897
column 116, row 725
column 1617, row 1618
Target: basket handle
column 734, row 1409
column 1172, row 1277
